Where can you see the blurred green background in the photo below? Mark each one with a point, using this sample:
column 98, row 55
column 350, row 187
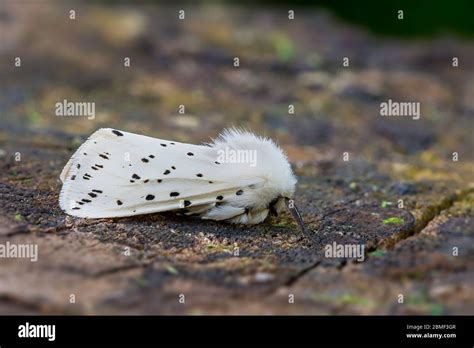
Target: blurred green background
column 421, row 18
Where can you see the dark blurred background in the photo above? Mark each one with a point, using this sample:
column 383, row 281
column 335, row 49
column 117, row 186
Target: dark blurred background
column 421, row 17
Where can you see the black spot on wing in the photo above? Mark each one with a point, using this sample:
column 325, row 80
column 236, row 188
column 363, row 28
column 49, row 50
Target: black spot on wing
column 117, row 133
column 174, row 194
column 149, row 197
column 97, row 166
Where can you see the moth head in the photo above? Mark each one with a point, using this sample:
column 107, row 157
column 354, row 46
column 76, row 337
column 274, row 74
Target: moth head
column 277, row 205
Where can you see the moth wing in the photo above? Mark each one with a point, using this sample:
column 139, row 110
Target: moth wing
column 116, row 173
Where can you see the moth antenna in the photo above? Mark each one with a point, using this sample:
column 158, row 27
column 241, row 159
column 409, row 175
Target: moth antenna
column 297, row 216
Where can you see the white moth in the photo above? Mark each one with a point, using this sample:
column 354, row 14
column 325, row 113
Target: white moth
column 238, row 178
